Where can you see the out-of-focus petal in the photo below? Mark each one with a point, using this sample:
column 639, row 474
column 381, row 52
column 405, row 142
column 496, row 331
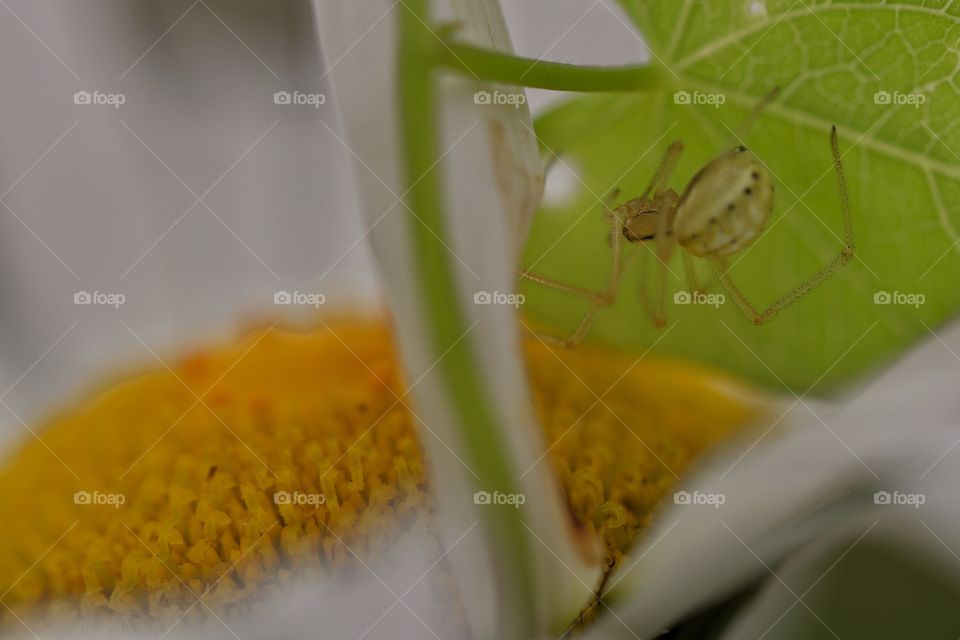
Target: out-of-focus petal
column 813, row 472
column 492, row 181
column 882, row 577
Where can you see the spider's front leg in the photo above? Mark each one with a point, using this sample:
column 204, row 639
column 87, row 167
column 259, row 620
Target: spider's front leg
column 597, row 299
column 617, row 218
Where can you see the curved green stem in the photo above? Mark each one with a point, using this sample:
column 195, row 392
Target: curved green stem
column 446, row 325
column 421, row 52
column 494, row 66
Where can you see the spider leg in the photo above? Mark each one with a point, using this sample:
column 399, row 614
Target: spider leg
column 841, row 258
column 661, row 251
column 690, row 270
column 605, row 297
column 662, row 177
column 580, row 332
column 664, row 238
column 643, row 290
column 597, row 299
column 656, row 309
column 697, row 283
column 616, row 220
column 743, row 129
column 664, row 249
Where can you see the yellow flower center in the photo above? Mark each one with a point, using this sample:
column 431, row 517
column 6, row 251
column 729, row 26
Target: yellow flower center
column 247, row 466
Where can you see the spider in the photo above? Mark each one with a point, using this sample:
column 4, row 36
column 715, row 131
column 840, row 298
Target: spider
column 721, row 212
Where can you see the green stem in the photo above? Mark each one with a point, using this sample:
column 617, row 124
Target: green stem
column 494, row 66
column 421, row 52
column 445, row 324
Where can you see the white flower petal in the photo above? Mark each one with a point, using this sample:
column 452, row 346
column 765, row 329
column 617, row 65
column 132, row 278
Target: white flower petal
column 492, row 181
column 871, row 578
column 811, row 473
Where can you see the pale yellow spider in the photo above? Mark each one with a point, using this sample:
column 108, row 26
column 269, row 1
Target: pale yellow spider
column 722, row 211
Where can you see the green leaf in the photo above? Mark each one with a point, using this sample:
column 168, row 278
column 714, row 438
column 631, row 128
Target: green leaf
column 901, row 163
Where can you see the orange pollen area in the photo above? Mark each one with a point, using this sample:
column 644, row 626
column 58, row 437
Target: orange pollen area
column 249, row 466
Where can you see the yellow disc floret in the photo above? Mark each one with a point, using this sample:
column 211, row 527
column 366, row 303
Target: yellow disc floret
column 288, row 454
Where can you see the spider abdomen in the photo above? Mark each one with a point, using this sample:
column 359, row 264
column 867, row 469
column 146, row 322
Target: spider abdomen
column 725, row 206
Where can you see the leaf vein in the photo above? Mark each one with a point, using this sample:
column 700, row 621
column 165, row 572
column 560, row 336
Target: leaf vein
column 716, row 45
